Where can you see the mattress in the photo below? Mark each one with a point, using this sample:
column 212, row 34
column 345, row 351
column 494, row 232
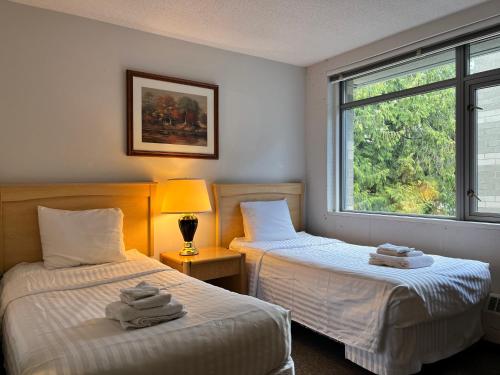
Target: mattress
column 53, row 323
column 330, row 287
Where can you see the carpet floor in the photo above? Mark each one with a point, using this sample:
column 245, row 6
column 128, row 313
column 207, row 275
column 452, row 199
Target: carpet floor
column 315, row 354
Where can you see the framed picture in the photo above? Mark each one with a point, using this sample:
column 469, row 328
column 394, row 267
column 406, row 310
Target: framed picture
column 171, row 117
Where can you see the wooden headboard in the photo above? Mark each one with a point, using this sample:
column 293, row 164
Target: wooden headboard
column 19, row 233
column 229, row 222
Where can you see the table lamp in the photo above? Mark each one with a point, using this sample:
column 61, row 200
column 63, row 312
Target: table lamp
column 186, row 197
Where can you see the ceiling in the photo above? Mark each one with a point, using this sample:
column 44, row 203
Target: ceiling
column 299, row 32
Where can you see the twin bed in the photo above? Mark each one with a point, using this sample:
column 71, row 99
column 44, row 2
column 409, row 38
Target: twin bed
column 391, row 320
column 53, row 320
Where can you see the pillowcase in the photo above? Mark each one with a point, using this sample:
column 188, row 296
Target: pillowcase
column 74, row 238
column 267, row 221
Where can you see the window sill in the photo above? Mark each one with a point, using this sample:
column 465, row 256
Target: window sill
column 419, row 220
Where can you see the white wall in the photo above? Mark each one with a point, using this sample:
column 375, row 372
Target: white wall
column 456, row 239
column 62, row 119
column 62, row 108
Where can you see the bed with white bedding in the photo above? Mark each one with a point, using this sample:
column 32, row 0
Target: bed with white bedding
column 53, row 320
column 330, row 287
column 53, row 323
column 391, row 320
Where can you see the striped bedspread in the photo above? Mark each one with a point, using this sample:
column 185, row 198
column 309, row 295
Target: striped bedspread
column 329, row 286
column 53, row 323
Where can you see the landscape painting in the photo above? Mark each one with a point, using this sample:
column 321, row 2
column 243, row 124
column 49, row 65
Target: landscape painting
column 171, row 117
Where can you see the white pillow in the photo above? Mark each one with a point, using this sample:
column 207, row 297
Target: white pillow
column 73, row 238
column 267, row 221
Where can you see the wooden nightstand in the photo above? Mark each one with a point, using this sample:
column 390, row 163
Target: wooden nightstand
column 217, row 265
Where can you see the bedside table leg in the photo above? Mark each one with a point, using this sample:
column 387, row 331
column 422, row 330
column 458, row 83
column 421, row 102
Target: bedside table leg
column 243, row 276
column 186, row 268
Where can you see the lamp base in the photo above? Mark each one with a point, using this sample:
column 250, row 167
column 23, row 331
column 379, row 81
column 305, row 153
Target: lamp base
column 188, row 249
column 188, row 224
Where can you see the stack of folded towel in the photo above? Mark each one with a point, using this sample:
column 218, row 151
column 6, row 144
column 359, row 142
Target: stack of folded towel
column 144, row 306
column 400, row 257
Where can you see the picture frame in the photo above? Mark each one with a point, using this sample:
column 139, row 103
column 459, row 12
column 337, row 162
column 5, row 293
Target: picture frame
column 171, row 117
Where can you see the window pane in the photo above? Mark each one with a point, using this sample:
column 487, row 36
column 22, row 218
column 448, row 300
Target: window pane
column 430, row 69
column 400, row 155
column 488, row 149
column 484, row 55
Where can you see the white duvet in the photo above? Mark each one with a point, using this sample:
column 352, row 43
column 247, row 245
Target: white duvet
column 329, row 286
column 53, row 323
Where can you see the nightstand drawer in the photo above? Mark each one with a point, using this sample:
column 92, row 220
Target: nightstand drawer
column 217, row 265
column 214, row 270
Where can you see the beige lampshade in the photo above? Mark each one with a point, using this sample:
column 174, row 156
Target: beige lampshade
column 185, row 196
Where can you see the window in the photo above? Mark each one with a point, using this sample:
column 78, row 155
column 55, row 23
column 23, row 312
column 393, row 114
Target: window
column 420, row 72
column 484, row 162
column 487, row 154
column 484, row 55
column 402, row 126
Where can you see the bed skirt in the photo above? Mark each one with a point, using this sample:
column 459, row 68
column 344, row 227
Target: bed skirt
column 287, row 369
column 405, row 350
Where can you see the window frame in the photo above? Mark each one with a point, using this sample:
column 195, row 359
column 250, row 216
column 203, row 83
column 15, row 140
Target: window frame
column 465, row 139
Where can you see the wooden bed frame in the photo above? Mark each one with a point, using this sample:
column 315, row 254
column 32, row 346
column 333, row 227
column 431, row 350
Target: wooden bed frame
column 229, row 222
column 19, row 233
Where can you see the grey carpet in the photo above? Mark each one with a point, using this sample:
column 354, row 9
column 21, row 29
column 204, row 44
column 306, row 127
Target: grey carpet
column 315, row 354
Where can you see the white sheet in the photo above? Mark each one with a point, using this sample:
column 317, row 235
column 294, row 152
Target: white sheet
column 53, row 323
column 406, row 349
column 330, row 287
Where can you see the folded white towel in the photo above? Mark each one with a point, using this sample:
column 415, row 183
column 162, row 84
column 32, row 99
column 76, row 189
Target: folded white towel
column 141, row 290
column 411, row 253
column 148, row 322
column 395, row 249
column 401, row 262
column 123, row 312
column 147, row 302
